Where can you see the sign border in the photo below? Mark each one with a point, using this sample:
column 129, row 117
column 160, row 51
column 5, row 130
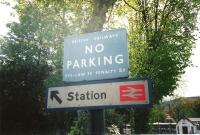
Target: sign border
column 150, row 88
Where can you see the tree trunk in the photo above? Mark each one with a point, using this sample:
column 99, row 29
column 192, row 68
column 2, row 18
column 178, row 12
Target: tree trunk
column 98, row 18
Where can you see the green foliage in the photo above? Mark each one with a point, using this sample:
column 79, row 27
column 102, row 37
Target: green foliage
column 157, row 114
column 184, row 107
column 23, row 70
column 79, row 126
column 31, row 52
column 160, row 43
column 113, row 129
column 21, row 90
column 177, row 109
column 141, row 120
column 115, row 117
column 119, row 118
column 197, row 107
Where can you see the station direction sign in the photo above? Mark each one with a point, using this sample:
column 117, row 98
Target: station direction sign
column 96, row 56
column 113, row 93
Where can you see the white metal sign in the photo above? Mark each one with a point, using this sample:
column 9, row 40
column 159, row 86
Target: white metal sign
column 120, row 93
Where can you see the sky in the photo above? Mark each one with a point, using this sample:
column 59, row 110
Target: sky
column 189, row 86
column 191, row 79
column 5, row 17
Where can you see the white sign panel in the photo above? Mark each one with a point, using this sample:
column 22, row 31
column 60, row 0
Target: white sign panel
column 123, row 92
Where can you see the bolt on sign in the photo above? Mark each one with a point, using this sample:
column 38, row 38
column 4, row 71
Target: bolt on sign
column 96, row 56
column 112, row 93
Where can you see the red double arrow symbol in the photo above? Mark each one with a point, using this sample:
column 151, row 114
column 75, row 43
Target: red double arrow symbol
column 132, row 93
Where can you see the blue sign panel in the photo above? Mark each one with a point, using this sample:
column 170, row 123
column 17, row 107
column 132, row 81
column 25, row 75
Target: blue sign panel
column 96, row 56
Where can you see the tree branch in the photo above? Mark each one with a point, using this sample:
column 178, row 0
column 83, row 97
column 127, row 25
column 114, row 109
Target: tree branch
column 156, row 15
column 131, row 6
column 110, row 13
column 164, row 18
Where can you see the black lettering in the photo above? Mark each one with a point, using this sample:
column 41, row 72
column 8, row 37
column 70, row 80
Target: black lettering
column 96, row 95
column 70, row 96
column 87, row 94
column 103, row 95
column 91, row 95
column 82, row 97
column 77, row 95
